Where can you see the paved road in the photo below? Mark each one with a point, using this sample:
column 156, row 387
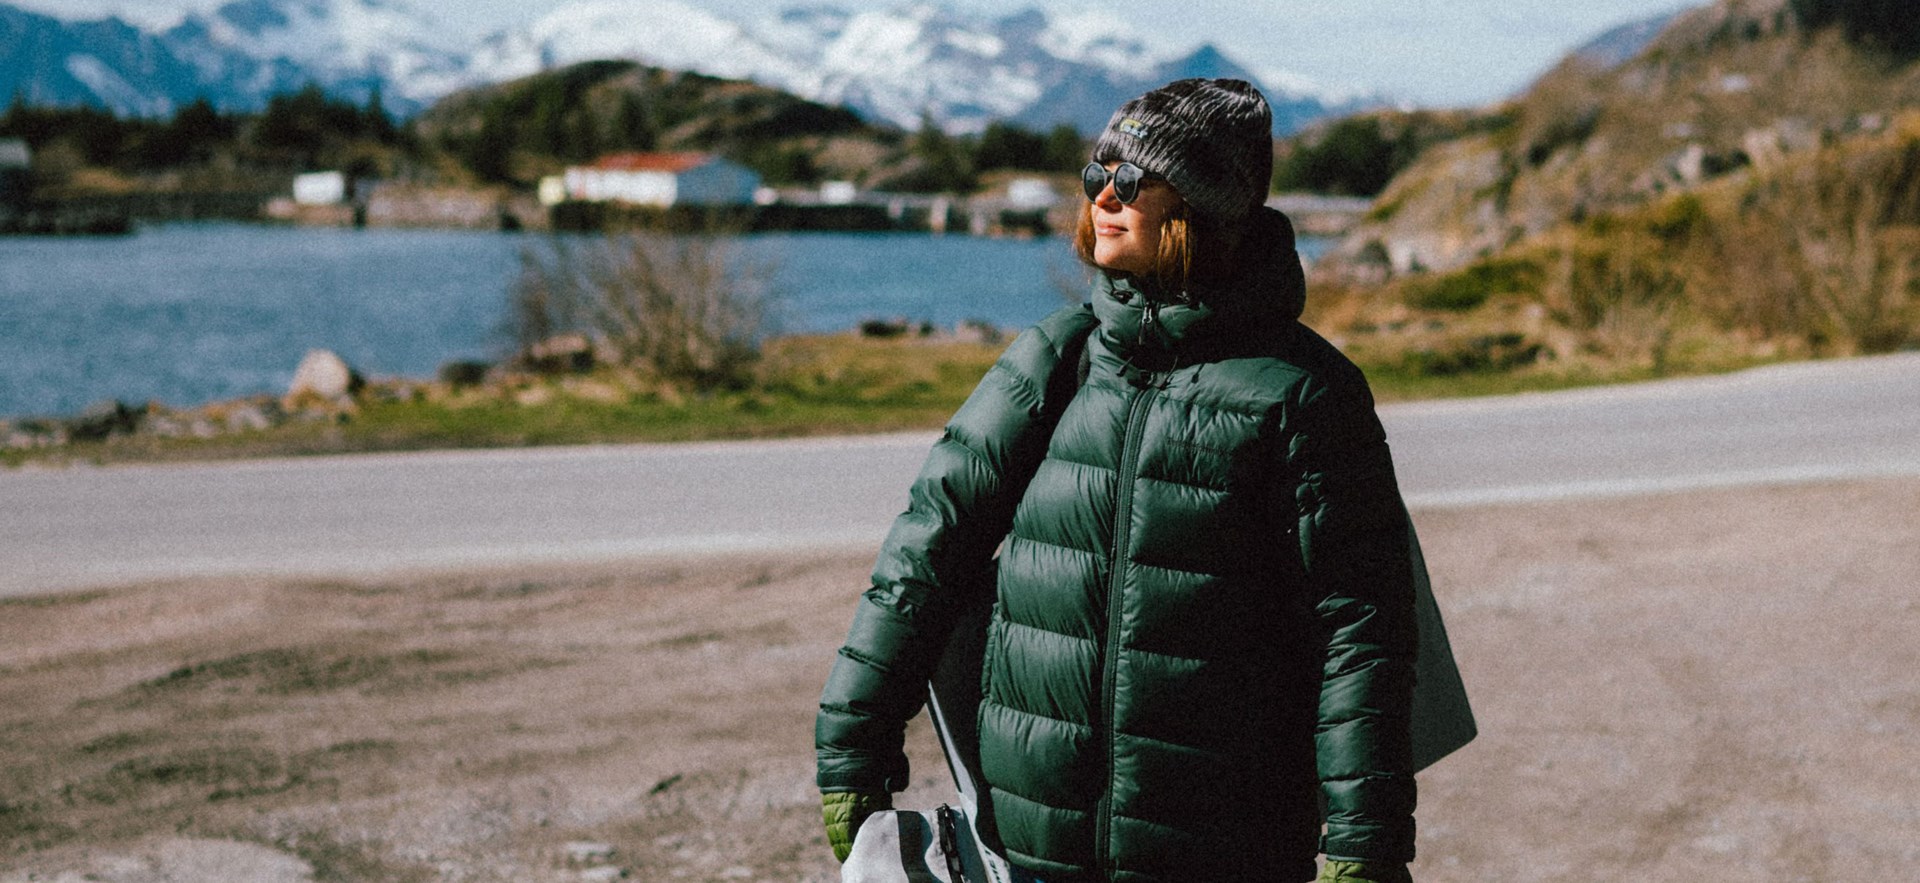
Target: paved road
column 66, row 529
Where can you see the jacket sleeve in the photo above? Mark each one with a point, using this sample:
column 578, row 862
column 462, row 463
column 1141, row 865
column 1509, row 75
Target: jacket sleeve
column 1353, row 542
column 938, row 557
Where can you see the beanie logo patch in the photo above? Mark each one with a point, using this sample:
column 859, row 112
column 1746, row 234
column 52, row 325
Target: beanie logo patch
column 1131, row 126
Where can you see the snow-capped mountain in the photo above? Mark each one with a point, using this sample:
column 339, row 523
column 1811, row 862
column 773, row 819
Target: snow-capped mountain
column 895, row 65
column 256, row 46
column 914, row 61
column 235, row 56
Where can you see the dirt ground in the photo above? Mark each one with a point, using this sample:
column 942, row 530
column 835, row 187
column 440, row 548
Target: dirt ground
column 1715, row 686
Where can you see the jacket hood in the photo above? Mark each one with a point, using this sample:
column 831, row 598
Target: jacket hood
column 1265, row 293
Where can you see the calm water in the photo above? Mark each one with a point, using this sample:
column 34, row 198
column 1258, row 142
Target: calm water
column 189, row 313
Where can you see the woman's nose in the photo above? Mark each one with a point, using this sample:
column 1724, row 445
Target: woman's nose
column 1107, row 199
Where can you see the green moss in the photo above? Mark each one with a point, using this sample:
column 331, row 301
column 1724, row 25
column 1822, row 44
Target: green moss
column 1468, row 288
column 1384, row 211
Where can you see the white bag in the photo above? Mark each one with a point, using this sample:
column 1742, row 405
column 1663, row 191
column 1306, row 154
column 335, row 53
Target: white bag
column 908, row 846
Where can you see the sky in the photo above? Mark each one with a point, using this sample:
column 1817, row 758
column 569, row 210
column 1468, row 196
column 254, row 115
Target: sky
column 1433, row 53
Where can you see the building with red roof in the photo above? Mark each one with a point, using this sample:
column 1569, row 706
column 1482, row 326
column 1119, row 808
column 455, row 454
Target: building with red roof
column 656, row 179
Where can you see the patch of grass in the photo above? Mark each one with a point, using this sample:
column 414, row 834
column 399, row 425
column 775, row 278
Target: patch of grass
column 25, row 827
column 214, row 773
column 286, row 671
column 1395, row 382
column 278, row 671
column 37, row 602
column 1468, row 288
column 1384, row 211
column 807, row 385
column 114, row 742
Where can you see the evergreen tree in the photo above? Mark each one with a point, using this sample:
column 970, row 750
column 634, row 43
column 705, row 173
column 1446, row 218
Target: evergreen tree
column 375, row 122
column 490, row 153
column 1004, row 145
column 1355, row 158
column 1893, row 25
column 633, row 129
column 1065, row 150
column 943, row 160
column 194, row 135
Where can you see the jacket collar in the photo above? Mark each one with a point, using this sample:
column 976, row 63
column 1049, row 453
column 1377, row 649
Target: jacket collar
column 1159, row 329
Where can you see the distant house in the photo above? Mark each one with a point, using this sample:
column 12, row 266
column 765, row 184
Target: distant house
column 1030, row 194
column 661, row 179
column 320, row 188
column 16, row 166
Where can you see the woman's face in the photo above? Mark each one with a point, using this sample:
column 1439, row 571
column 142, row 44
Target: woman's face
column 1126, row 237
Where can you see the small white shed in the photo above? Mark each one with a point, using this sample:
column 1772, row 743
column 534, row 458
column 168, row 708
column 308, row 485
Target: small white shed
column 14, row 154
column 320, row 188
column 663, row 179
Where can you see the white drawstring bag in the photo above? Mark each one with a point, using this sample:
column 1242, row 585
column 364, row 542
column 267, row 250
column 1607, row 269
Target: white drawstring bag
column 910, row 846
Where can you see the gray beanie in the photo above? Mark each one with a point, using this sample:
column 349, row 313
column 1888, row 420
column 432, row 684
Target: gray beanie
column 1212, row 139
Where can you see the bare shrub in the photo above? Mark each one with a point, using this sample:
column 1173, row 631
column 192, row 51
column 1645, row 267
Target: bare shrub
column 1828, row 251
column 685, row 308
column 1623, row 293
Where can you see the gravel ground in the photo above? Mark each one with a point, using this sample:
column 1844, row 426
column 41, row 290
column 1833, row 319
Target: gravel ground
column 1702, row 687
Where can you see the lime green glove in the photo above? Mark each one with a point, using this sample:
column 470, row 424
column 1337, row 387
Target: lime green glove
column 845, row 811
column 1338, row 871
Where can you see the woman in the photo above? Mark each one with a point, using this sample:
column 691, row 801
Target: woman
column 1193, row 542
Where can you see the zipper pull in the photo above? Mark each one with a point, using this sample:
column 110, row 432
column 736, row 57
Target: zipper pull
column 1150, row 313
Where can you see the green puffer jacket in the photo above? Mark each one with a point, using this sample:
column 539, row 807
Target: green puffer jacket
column 1203, row 612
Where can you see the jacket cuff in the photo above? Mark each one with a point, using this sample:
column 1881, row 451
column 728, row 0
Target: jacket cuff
column 1365, row 844
column 861, row 781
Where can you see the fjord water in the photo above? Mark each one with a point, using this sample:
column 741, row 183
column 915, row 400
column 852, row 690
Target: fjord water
column 189, row 313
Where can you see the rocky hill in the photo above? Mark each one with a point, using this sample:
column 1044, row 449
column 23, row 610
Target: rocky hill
column 1737, row 87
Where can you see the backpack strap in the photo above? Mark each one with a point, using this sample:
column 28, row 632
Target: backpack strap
column 1069, row 330
column 1085, row 362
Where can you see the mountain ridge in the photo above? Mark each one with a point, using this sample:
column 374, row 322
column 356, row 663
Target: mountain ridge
column 961, row 71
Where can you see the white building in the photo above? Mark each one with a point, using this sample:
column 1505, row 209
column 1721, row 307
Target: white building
column 662, row 179
column 1031, row 194
column 320, row 188
column 16, row 164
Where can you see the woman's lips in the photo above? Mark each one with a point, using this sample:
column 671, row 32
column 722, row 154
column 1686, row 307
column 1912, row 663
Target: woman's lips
column 1108, row 229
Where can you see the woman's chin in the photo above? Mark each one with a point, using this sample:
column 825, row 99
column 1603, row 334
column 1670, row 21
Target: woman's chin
column 1115, row 263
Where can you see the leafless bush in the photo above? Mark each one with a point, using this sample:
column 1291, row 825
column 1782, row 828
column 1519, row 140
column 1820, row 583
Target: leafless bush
column 687, row 308
column 1625, row 296
column 1828, row 251
column 1859, row 271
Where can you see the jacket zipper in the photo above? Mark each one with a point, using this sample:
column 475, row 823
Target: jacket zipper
column 1149, row 314
column 1136, row 427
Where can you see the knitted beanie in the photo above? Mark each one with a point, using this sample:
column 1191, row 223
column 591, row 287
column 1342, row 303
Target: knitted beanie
column 1212, row 139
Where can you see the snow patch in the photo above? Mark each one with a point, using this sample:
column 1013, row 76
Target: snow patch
column 112, row 89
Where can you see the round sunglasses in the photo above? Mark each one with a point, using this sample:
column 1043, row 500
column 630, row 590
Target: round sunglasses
column 1126, row 178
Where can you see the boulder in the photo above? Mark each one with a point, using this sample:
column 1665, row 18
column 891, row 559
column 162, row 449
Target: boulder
column 103, row 420
column 322, row 378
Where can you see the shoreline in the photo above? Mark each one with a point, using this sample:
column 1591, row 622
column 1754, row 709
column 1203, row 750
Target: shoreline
column 309, row 423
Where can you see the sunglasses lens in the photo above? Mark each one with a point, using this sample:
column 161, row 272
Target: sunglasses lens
column 1093, row 179
column 1126, row 181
